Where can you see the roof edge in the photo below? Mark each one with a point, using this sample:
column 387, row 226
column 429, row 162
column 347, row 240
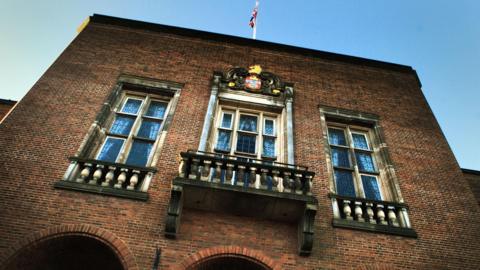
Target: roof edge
column 470, row 171
column 104, row 19
column 7, row 101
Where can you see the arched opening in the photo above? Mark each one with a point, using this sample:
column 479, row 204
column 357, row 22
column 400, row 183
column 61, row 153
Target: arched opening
column 228, row 262
column 72, row 252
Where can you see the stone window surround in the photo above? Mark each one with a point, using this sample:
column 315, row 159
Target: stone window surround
column 385, row 165
column 96, row 134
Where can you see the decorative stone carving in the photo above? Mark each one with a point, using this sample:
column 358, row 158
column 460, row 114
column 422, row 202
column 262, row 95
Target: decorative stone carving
column 254, row 80
column 305, row 229
column 174, row 212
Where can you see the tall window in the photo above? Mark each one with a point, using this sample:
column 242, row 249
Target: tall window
column 354, row 166
column 247, row 133
column 134, row 131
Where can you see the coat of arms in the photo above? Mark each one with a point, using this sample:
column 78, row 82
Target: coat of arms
column 254, row 80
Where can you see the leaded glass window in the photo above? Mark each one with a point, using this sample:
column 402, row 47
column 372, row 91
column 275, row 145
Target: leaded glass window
column 250, row 134
column 135, row 128
column 353, row 162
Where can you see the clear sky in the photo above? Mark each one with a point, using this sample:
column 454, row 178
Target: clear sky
column 438, row 38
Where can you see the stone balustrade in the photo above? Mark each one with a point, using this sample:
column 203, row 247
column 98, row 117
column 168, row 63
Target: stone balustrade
column 245, row 172
column 108, row 175
column 361, row 210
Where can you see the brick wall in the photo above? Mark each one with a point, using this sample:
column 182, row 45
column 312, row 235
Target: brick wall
column 39, row 136
column 473, row 179
column 5, row 107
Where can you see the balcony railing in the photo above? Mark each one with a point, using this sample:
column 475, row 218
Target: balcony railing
column 390, row 217
column 107, row 178
column 245, row 172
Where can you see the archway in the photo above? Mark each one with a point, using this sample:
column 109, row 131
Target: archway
column 228, row 262
column 72, row 252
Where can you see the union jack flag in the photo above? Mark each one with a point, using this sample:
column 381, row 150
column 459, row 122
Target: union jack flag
column 253, row 19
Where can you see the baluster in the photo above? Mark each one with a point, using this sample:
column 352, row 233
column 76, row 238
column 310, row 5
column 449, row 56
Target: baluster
column 404, row 221
column 109, row 176
column 218, row 172
column 253, row 176
column 206, row 170
column 84, row 173
column 381, row 214
column 182, row 168
column 229, row 174
column 263, row 179
column 121, row 178
column 240, row 175
column 286, row 181
column 194, row 169
column 347, row 210
column 392, row 217
column 96, row 175
column 298, row 184
column 359, row 212
column 370, row 213
column 308, row 184
column 133, row 180
column 336, row 209
column 277, row 181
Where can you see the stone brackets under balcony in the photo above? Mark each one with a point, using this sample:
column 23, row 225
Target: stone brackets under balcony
column 259, row 193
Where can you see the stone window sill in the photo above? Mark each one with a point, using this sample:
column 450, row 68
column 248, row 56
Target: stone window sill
column 97, row 189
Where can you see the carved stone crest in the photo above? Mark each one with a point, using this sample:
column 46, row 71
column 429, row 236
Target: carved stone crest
column 254, row 80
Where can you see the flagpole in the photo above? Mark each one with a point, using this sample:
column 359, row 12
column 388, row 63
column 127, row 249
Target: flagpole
column 255, row 25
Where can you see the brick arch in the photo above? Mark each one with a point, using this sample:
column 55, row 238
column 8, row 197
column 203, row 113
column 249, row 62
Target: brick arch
column 117, row 245
column 225, row 251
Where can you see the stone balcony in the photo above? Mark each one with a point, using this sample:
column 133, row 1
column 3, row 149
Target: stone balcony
column 106, row 178
column 371, row 215
column 234, row 185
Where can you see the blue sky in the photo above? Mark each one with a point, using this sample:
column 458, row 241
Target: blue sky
column 440, row 39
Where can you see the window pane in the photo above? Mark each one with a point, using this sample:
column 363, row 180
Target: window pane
column 246, row 143
column 340, row 157
column 269, row 127
column 110, row 149
column 248, row 123
column 156, row 109
column 227, row 120
column 370, row 186
column 268, row 147
column 360, row 141
column 132, row 106
column 223, row 141
column 149, row 129
column 344, row 181
column 139, row 153
column 336, row 136
column 365, row 162
column 122, row 125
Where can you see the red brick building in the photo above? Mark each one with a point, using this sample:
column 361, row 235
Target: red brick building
column 148, row 146
column 5, row 106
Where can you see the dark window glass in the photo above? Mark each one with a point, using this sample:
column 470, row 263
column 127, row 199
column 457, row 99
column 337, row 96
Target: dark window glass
column 269, row 127
column 227, row 120
column 248, row 123
column 139, row 153
column 336, row 136
column 268, row 146
column 246, row 143
column 365, row 162
column 359, row 141
column 340, row 157
column 370, row 187
column 156, row 109
column 132, row 106
column 344, row 181
column 223, row 141
column 122, row 125
column 110, row 149
column 149, row 129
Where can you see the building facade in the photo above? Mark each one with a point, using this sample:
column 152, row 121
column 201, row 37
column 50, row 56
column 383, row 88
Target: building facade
column 155, row 147
column 5, row 106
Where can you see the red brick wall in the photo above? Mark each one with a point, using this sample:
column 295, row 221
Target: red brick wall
column 473, row 179
column 53, row 118
column 5, row 106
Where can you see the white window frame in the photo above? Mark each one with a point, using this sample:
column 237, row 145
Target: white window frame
column 348, row 130
column 235, row 129
column 146, row 100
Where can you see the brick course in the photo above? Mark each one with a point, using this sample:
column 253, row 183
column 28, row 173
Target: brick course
column 48, row 125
